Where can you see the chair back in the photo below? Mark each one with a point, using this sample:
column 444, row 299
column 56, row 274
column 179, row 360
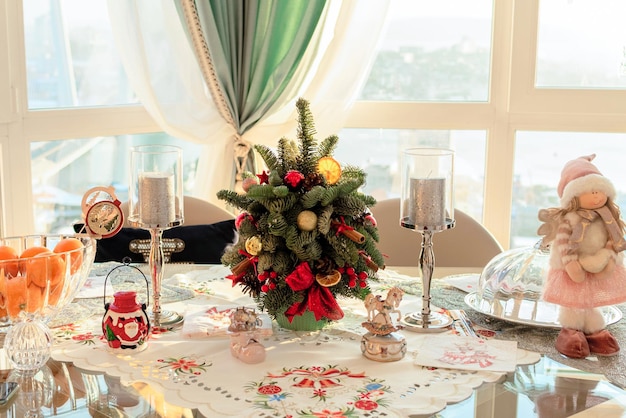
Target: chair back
column 196, row 212
column 468, row 244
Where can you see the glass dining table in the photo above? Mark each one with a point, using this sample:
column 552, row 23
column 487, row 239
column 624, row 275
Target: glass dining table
column 184, row 373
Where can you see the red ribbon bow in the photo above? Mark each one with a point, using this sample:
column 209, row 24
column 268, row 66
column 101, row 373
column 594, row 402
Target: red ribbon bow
column 317, row 299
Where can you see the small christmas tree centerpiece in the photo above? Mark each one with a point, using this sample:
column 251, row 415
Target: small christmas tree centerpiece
column 306, row 235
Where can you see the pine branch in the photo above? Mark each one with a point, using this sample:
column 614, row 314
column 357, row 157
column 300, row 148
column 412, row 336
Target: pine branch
column 234, row 199
column 312, row 197
column 271, row 159
column 305, row 162
column 287, row 154
column 349, row 205
column 327, row 146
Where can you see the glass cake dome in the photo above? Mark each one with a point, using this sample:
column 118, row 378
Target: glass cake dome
column 510, row 287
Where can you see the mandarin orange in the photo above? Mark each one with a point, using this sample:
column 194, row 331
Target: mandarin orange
column 34, row 298
column 55, row 293
column 16, row 296
column 43, row 267
column 3, row 293
column 76, row 256
column 8, row 260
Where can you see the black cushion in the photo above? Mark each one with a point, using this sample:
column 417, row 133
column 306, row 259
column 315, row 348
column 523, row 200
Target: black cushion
column 203, row 244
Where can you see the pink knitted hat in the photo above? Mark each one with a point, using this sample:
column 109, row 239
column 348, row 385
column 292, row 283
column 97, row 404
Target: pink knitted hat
column 580, row 176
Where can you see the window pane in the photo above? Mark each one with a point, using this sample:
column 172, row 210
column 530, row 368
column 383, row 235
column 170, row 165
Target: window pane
column 70, row 55
column 433, row 51
column 581, row 44
column 539, row 159
column 62, row 171
column 378, row 152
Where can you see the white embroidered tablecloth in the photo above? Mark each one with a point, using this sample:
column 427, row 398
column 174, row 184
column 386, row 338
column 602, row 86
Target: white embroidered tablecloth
column 304, row 374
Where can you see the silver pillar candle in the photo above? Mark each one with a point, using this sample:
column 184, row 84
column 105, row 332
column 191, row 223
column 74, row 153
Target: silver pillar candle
column 156, row 199
column 427, row 202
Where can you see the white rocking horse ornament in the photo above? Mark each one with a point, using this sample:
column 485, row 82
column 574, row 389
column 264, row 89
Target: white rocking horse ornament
column 379, row 311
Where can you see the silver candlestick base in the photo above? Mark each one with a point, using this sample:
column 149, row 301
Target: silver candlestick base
column 159, row 317
column 427, row 321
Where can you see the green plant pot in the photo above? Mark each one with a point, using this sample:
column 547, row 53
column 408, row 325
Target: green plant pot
column 304, row 322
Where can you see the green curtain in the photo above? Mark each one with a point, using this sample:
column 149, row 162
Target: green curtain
column 255, row 47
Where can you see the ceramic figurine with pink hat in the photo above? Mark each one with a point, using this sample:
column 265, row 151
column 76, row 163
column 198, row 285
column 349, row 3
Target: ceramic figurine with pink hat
column 587, row 272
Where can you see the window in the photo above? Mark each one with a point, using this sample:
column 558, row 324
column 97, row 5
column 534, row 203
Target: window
column 581, row 45
column 64, row 170
column 516, row 88
column 71, row 62
column 70, row 56
column 378, row 152
column 433, row 51
column 545, row 94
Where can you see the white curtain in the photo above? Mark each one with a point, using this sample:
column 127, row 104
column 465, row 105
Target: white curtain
column 164, row 74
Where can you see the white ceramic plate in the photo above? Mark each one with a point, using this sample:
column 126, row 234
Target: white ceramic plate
column 529, row 312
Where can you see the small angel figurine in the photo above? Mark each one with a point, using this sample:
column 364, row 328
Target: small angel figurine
column 586, row 271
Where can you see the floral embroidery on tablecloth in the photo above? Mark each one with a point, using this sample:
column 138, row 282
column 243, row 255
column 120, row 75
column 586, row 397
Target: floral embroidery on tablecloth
column 77, row 333
column 200, row 288
column 319, row 391
column 180, row 368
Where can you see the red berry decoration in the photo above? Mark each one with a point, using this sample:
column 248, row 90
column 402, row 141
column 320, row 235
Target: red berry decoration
column 293, row 178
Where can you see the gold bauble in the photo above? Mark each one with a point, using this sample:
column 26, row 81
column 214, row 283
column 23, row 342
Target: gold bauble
column 254, row 245
column 307, row 220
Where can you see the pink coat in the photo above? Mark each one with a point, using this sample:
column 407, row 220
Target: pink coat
column 593, row 291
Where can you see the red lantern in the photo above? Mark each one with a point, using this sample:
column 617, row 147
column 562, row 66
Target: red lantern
column 125, row 324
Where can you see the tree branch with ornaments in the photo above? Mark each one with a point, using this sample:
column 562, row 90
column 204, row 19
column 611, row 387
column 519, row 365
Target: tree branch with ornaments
column 306, row 235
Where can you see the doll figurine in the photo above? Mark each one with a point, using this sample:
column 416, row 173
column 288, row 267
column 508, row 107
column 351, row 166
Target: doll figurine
column 586, row 272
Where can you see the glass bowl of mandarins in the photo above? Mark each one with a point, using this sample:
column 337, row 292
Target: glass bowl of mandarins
column 39, row 276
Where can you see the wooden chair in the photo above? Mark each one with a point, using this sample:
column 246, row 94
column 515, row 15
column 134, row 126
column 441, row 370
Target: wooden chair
column 468, row 244
column 196, row 212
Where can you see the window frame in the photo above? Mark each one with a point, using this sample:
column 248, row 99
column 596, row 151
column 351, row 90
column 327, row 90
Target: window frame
column 514, row 104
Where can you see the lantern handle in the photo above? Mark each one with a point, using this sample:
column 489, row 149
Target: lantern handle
column 126, row 263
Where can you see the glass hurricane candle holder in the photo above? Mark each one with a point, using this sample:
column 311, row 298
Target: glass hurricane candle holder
column 427, row 207
column 156, row 204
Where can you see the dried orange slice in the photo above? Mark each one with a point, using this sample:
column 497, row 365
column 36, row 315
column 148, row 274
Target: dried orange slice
column 330, row 169
column 328, row 280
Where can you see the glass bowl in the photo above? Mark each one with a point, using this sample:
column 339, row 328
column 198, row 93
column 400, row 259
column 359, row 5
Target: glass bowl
column 39, row 276
column 510, row 288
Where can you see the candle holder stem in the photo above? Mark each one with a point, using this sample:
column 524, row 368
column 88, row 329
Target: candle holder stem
column 427, row 265
column 426, row 321
column 159, row 318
